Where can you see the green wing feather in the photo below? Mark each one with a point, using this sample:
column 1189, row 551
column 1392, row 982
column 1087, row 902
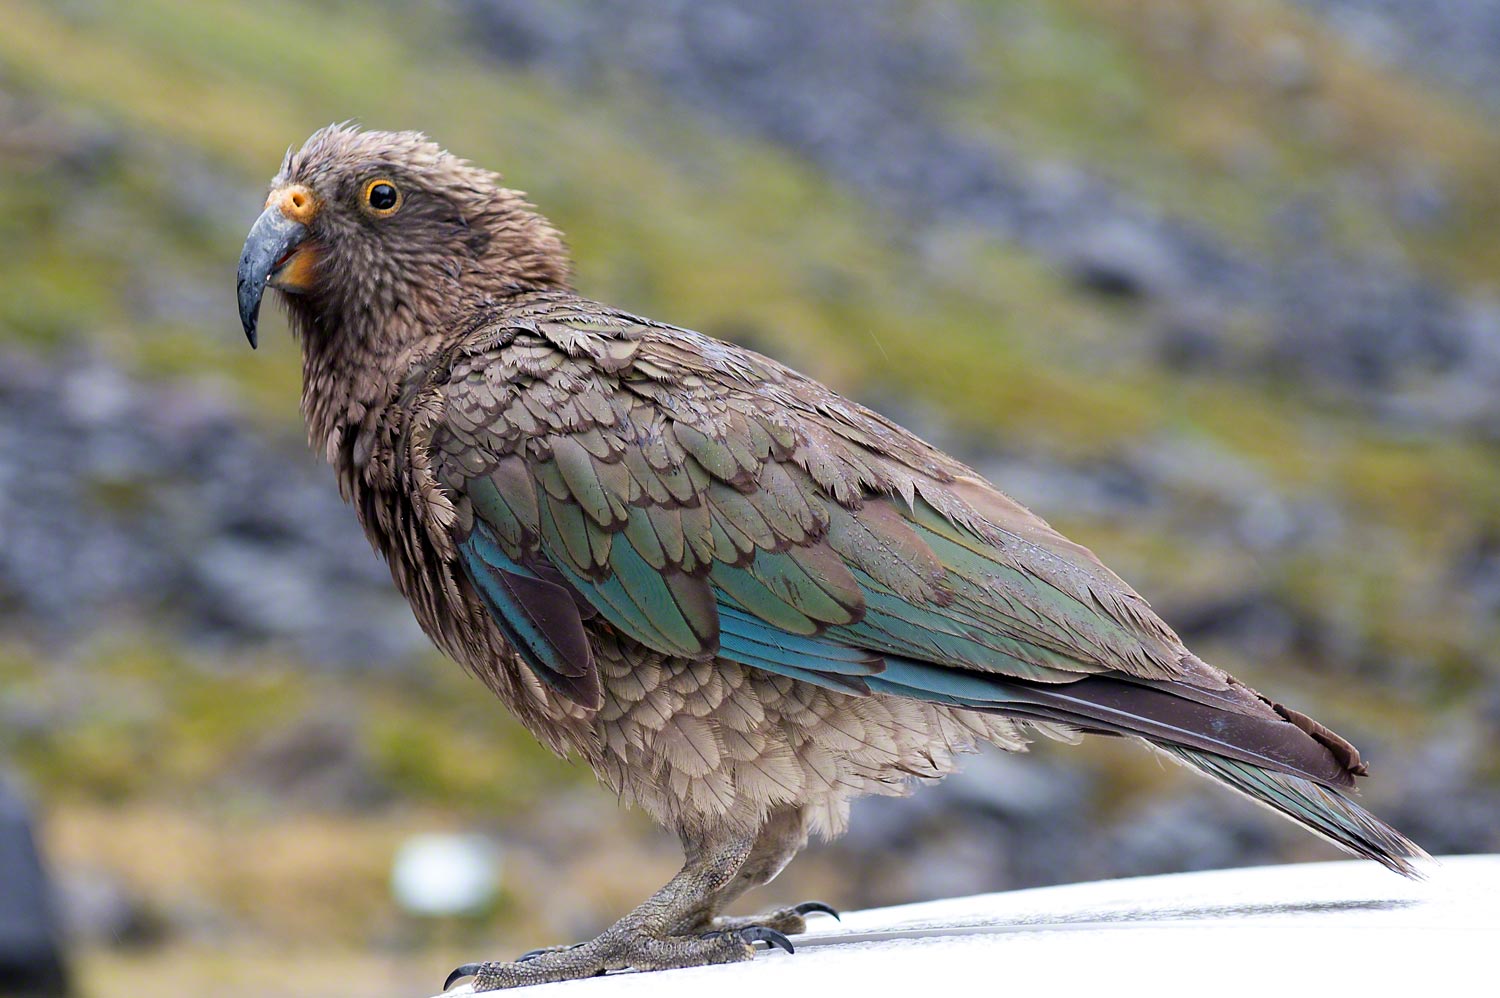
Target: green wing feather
column 704, row 501
column 662, row 498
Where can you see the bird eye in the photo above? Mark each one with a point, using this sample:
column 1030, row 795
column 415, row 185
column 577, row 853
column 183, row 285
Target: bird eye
column 382, row 197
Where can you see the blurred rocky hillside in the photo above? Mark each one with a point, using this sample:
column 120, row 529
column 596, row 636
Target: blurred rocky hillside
column 1212, row 286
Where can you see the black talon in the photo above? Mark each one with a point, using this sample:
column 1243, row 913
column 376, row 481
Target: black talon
column 808, row 907
column 761, row 934
column 466, row 970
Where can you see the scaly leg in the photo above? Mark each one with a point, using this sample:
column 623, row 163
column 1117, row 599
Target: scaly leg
column 784, row 834
column 650, row 937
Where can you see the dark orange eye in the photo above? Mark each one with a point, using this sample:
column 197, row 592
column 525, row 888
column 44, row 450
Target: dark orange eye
column 382, row 197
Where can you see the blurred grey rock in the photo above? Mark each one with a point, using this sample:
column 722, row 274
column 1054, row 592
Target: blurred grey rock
column 31, row 956
column 1448, row 807
column 1124, row 258
column 1288, row 68
column 318, row 760
column 1454, row 42
column 1018, row 787
column 859, row 89
column 98, row 909
column 1002, row 822
column 1201, row 830
column 119, row 497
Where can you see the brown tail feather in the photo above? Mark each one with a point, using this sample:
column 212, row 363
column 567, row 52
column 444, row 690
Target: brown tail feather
column 1254, row 732
column 1277, row 757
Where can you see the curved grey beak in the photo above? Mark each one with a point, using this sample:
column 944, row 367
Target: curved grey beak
column 271, row 241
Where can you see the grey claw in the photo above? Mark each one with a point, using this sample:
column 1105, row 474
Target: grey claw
column 466, row 970
column 761, row 934
column 808, row 907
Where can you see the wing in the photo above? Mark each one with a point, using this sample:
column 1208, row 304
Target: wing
column 704, row 501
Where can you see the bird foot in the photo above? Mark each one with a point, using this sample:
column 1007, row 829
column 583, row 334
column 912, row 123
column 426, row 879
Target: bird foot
column 616, row 951
column 789, row 921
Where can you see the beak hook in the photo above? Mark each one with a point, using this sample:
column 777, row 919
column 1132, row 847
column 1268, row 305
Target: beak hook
column 272, row 239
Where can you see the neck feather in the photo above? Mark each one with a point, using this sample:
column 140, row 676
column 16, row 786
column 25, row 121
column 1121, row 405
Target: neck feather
column 352, row 368
column 361, row 337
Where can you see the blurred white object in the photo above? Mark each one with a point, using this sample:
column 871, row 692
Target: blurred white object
column 445, row 874
column 1316, row 928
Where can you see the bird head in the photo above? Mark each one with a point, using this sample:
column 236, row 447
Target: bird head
column 367, row 231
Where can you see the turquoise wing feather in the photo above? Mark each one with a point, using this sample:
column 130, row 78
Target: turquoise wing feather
column 608, row 472
column 541, row 618
column 703, row 504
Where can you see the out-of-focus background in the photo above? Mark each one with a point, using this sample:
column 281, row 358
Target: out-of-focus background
column 1210, row 284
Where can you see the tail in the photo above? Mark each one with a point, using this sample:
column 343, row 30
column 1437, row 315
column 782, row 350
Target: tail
column 1221, row 728
column 1321, row 810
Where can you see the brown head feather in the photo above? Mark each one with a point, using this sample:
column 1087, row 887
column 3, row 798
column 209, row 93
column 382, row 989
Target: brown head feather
column 458, row 230
column 384, row 284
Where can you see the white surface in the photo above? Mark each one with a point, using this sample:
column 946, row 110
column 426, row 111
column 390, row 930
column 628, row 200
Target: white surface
column 1321, row 928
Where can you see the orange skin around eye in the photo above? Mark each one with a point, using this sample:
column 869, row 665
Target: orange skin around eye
column 382, row 212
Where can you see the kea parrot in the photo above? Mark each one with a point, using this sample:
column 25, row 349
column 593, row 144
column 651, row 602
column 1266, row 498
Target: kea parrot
column 741, row 599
